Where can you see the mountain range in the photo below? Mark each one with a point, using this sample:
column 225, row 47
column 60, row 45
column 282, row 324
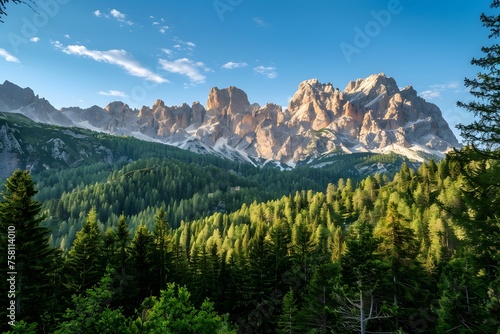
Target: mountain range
column 369, row 115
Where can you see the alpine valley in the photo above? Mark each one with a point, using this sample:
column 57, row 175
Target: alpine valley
column 369, row 115
column 331, row 216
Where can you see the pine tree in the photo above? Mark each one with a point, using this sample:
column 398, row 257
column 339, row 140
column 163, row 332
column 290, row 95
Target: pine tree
column 85, row 264
column 142, row 261
column 360, row 294
column 287, row 322
column 161, row 233
column 399, row 249
column 30, row 258
column 480, row 159
column 91, row 312
column 122, row 271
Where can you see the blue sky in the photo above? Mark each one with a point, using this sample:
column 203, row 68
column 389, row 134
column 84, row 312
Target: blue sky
column 84, row 53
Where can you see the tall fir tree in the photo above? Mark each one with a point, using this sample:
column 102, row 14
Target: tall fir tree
column 85, row 262
column 142, row 261
column 29, row 259
column 480, row 159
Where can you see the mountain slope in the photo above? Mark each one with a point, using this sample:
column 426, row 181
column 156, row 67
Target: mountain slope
column 370, row 115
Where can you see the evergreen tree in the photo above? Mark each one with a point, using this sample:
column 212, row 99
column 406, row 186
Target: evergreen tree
column 85, row 263
column 122, row 271
column 318, row 310
column 360, row 295
column 173, row 312
column 30, row 261
column 161, row 232
column 399, row 249
column 260, row 296
column 287, row 323
column 463, row 292
column 142, row 261
column 480, row 159
column 91, row 312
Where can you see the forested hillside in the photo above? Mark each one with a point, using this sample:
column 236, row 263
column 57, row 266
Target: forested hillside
column 122, row 236
column 185, row 190
column 374, row 255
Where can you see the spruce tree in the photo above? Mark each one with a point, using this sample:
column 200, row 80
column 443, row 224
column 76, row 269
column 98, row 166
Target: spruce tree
column 142, row 250
column 480, row 160
column 85, row 262
column 31, row 261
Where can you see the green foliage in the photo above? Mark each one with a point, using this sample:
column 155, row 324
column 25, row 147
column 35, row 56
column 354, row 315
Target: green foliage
column 174, row 313
column 85, row 262
column 27, row 251
column 91, row 313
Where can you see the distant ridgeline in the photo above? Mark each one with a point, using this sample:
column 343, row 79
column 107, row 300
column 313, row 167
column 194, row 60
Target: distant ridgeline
column 369, row 115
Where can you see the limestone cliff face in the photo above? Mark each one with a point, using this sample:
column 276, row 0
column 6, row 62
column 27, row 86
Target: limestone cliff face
column 370, row 114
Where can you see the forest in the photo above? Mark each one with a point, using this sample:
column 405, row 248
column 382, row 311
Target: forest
column 413, row 254
column 173, row 242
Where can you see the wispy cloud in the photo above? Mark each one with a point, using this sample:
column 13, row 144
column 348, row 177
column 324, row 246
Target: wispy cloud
column 231, row 65
column 430, row 94
column 114, row 57
column 260, row 22
column 268, row 71
column 167, row 51
column 8, row 57
column 116, row 14
column 160, row 25
column 184, row 45
column 437, row 90
column 120, row 16
column 187, row 67
column 449, row 85
column 35, row 39
column 111, row 92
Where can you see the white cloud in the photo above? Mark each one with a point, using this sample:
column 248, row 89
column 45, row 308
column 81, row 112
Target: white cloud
column 120, row 17
column 115, row 57
column 167, row 51
column 449, row 85
column 186, row 67
column 268, row 71
column 113, row 93
column 161, row 27
column 67, row 36
column 117, row 15
column 230, row 65
column 437, row 90
column 430, row 94
column 183, row 45
column 35, row 39
column 8, row 57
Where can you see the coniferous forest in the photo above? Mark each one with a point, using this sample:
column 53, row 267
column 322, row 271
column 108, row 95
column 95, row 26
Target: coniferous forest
column 172, row 242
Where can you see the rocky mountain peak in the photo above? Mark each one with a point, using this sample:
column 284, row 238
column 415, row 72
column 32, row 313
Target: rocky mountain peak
column 158, row 104
column 371, row 114
column 375, row 83
column 14, row 97
column 227, row 99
